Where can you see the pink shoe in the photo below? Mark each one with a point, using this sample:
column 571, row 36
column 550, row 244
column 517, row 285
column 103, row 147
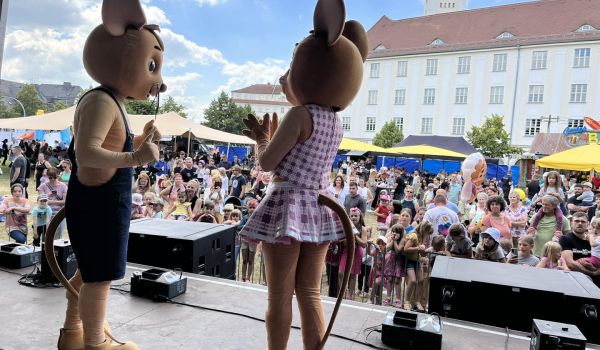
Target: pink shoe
column 386, row 302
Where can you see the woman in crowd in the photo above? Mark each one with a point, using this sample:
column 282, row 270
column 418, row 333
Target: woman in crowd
column 169, row 194
column 57, row 195
column 41, row 165
column 517, row 213
column 497, row 217
column 546, row 228
column 215, row 194
column 191, row 191
column 16, row 207
column 409, row 201
column 476, row 215
column 65, row 174
column 338, row 189
column 142, row 184
column 260, row 187
column 365, row 193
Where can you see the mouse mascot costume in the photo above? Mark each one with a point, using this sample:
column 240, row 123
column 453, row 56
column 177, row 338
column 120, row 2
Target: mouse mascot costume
column 124, row 55
column 296, row 220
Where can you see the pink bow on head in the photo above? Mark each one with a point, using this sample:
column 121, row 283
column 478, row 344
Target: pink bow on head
column 355, row 211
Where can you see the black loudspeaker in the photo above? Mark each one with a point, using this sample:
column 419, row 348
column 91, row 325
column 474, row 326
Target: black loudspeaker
column 66, row 261
column 18, row 256
column 507, row 295
column 547, row 335
column 197, row 247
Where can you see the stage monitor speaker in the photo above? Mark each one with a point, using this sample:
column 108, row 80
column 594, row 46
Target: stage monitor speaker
column 548, row 335
column 506, row 295
column 18, row 256
column 66, row 261
column 196, row 247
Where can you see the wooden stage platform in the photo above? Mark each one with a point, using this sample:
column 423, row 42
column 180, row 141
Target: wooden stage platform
column 30, row 319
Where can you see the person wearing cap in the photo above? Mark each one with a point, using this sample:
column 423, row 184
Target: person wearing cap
column 383, row 209
column 489, row 248
column 157, row 208
column 137, row 201
column 41, row 215
column 587, row 197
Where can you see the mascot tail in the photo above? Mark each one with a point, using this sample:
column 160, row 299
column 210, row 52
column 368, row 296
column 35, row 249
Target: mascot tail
column 49, row 251
column 347, row 224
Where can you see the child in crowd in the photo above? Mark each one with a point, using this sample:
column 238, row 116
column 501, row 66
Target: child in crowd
column 587, row 197
column 181, row 209
column 248, row 248
column 593, row 262
column 360, row 235
column 506, row 245
column 41, row 215
column 489, row 248
column 413, row 248
column 234, row 218
column 377, row 251
column 383, row 209
column 419, row 217
column 457, row 242
column 438, row 247
column 551, row 258
column 525, row 253
column 365, row 268
column 208, row 214
column 394, row 263
column 44, row 177
column 157, row 208
column 148, row 209
column 137, row 210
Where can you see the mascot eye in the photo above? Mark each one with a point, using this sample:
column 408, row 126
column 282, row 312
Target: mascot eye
column 152, row 66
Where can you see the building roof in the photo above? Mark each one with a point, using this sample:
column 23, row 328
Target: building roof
column 261, row 89
column 48, row 93
column 261, row 102
column 452, row 143
column 548, row 143
column 538, row 22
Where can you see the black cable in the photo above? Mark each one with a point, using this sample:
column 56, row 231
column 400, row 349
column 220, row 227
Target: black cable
column 12, row 272
column 170, row 301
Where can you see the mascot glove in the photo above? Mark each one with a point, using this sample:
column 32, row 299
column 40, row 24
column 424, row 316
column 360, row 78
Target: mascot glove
column 150, row 129
column 147, row 152
column 261, row 132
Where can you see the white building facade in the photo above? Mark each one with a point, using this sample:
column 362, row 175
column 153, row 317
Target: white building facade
column 433, row 7
column 534, row 80
column 262, row 98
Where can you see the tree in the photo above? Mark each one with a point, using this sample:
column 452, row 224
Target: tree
column 60, row 105
column 170, row 105
column 223, row 114
column 389, row 135
column 30, row 99
column 143, row 107
column 491, row 139
column 7, row 112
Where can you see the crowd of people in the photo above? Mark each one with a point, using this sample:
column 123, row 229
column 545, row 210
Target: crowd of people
column 403, row 220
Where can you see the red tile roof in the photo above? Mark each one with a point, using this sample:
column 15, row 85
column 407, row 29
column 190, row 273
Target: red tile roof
column 545, row 21
column 261, row 89
column 547, row 144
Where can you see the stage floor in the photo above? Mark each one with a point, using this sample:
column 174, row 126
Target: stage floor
column 30, row 319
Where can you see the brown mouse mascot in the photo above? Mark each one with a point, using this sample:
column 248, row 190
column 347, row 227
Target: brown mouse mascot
column 296, row 220
column 124, row 55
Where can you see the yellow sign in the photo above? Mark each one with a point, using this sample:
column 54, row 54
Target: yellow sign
column 39, row 112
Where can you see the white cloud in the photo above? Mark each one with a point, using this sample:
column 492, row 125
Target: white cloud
column 180, row 52
column 240, row 75
column 210, row 2
column 177, row 85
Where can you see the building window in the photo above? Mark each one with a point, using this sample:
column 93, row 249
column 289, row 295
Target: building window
column 586, row 28
column 431, row 68
column 346, row 121
column 399, row 122
column 532, row 126
column 499, row 63
column 429, row 97
column 370, row 124
column 372, row 97
column 575, row 123
column 539, row 59
column 374, row 70
column 464, row 65
column 426, row 125
column 497, row 95
column 582, row 58
column 400, row 97
column 461, row 96
column 458, row 126
column 536, row 94
column 505, row 35
column 437, row 41
column 578, row 93
column 402, row 68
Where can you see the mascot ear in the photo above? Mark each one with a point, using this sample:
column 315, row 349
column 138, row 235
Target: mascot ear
column 118, row 15
column 356, row 33
column 328, row 20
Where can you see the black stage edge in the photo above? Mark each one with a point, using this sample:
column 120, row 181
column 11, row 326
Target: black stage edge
column 506, row 295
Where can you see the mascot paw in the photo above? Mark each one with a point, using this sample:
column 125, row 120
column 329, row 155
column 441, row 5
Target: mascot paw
column 260, row 131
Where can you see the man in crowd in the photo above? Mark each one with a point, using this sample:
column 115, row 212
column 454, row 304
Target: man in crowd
column 354, row 200
column 18, row 168
column 575, row 205
column 400, row 180
column 575, row 245
column 441, row 217
column 188, row 172
column 533, row 186
column 454, row 189
column 238, row 183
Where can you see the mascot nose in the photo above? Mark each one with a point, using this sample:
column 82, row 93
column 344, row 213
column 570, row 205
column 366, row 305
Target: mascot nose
column 163, row 87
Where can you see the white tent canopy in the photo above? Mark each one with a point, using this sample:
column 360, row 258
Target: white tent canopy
column 169, row 123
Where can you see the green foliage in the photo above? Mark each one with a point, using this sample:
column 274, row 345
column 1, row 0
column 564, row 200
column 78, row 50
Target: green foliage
column 60, row 105
column 7, row 111
column 491, row 139
column 170, row 105
column 147, row 107
column 223, row 114
column 30, row 99
column 389, row 135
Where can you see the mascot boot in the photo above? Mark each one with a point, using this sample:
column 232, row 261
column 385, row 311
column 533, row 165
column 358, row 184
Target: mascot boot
column 124, row 55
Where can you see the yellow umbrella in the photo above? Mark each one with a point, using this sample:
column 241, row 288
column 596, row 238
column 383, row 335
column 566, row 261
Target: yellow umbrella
column 584, row 158
column 424, row 150
column 353, row 145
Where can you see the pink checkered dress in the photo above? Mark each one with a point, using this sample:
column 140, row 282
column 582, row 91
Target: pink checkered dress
column 290, row 209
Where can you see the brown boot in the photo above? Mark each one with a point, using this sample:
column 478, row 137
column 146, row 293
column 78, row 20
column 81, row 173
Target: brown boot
column 72, row 339
column 108, row 345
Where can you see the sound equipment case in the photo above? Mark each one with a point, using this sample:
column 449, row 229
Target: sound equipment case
column 18, row 261
column 66, row 261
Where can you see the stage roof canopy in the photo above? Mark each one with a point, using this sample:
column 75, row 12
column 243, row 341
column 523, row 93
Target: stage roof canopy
column 584, row 158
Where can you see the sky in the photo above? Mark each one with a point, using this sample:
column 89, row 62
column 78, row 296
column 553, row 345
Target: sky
column 210, row 45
